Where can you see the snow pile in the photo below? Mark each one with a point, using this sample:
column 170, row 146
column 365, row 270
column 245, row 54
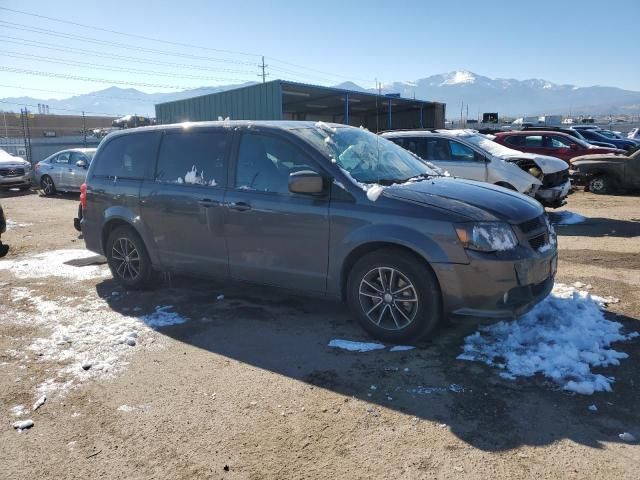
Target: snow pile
column 562, row 338
column 54, row 264
column 566, row 217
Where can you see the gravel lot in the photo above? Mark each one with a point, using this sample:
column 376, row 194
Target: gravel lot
column 248, row 388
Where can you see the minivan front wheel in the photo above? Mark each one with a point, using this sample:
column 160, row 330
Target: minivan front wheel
column 128, row 259
column 394, row 296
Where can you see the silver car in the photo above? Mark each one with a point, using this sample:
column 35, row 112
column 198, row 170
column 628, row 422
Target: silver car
column 64, row 171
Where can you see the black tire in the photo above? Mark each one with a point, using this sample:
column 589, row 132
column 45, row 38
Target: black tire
column 47, row 186
column 602, row 185
column 424, row 316
column 129, row 261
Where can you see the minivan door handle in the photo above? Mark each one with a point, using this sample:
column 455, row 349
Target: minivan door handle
column 207, row 202
column 239, row 206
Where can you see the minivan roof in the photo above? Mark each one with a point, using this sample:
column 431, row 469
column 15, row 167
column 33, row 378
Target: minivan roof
column 280, row 124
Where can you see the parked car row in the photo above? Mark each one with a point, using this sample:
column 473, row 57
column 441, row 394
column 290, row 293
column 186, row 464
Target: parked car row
column 468, row 154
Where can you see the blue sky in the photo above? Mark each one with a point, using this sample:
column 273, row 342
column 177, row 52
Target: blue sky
column 578, row 42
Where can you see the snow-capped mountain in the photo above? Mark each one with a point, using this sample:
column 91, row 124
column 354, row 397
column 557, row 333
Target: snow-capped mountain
column 507, row 96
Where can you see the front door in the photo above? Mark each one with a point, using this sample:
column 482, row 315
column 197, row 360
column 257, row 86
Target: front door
column 273, row 236
column 60, row 171
column 462, row 161
column 182, row 207
column 76, row 174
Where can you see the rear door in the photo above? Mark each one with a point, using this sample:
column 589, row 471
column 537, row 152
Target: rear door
column 273, row 236
column 182, row 205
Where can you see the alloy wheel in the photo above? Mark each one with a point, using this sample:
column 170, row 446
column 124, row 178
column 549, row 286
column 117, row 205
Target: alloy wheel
column 597, row 185
column 126, row 259
column 47, row 185
column 388, row 298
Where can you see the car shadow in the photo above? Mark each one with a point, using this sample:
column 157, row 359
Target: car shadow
column 75, row 196
column 14, row 192
column 289, row 335
column 597, row 227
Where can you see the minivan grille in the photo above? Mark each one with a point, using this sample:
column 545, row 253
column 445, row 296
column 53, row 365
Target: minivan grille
column 535, row 230
column 11, row 172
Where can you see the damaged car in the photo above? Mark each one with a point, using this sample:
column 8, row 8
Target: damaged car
column 605, row 174
column 469, row 154
column 322, row 209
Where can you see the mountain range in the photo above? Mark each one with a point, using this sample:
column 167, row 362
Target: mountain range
column 458, row 89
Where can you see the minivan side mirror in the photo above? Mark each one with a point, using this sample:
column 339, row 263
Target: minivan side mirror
column 81, row 163
column 306, row 182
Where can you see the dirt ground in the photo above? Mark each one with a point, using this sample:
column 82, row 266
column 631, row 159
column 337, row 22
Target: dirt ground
column 248, row 387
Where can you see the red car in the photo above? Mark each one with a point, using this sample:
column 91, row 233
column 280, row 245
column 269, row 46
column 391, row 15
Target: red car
column 554, row 144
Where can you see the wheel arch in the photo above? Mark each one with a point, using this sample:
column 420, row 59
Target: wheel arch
column 365, row 248
column 117, row 221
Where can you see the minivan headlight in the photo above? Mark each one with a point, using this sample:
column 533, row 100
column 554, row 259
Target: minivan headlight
column 486, row 236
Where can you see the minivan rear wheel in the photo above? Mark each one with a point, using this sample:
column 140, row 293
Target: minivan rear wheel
column 394, row 296
column 128, row 259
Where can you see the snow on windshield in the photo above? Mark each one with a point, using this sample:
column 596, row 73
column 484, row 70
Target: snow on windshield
column 490, row 146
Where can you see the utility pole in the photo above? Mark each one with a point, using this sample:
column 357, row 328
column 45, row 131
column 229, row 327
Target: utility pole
column 26, row 121
column 84, row 130
column 4, row 116
column 264, row 73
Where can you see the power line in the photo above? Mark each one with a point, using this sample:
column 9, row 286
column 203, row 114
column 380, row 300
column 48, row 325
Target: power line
column 89, row 79
column 132, row 35
column 69, row 36
column 63, row 48
column 291, row 64
column 117, row 69
column 73, row 94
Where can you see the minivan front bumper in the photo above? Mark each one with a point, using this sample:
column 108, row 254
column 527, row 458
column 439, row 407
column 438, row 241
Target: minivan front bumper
column 494, row 288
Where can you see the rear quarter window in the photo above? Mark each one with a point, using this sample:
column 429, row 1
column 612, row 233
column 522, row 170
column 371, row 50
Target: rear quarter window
column 130, row 156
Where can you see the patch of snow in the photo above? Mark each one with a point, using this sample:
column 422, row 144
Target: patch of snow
column 355, row 346
column 627, row 437
column 565, row 217
column 323, row 126
column 162, row 317
column 374, row 192
column 12, row 224
column 401, row 348
column 54, row 264
column 39, row 402
column 562, row 338
column 18, row 410
column 22, row 425
column 220, row 297
column 593, row 408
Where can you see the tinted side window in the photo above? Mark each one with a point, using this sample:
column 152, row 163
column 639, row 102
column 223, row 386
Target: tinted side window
column 76, row 157
column 518, row 141
column 128, row 156
column 265, row 162
column 193, row 158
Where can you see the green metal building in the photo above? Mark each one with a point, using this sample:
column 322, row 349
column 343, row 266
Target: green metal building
column 283, row 100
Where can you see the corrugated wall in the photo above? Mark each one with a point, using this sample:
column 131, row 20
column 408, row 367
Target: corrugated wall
column 257, row 102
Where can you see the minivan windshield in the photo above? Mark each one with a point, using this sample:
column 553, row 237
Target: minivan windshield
column 367, row 157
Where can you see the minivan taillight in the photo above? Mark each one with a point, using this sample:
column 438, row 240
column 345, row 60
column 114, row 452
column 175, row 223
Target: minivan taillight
column 83, row 195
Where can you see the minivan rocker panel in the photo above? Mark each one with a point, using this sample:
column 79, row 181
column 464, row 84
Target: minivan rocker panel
column 427, row 246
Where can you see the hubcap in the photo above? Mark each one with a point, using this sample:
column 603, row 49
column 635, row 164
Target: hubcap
column 388, row 298
column 597, row 184
column 125, row 259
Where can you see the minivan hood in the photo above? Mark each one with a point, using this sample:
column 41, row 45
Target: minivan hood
column 546, row 163
column 474, row 200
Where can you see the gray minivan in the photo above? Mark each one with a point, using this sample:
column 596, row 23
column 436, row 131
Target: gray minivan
column 322, row 209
